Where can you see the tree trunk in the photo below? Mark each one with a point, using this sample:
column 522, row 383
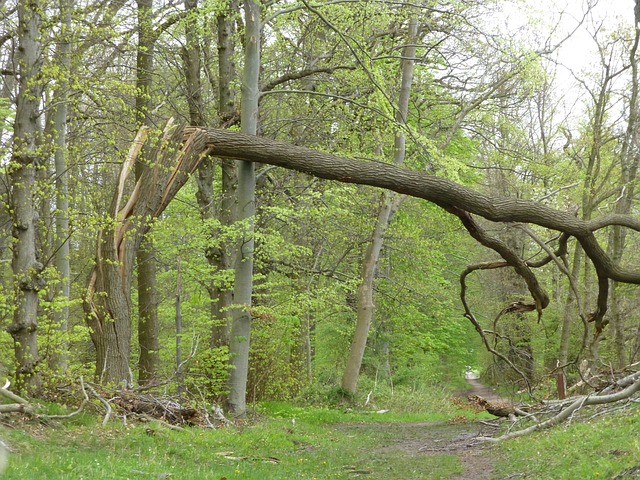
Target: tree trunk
column 629, row 160
column 107, row 303
column 219, row 258
column 179, row 371
column 571, row 308
column 365, row 308
column 148, row 328
column 25, row 265
column 365, row 305
column 243, row 285
column 58, row 359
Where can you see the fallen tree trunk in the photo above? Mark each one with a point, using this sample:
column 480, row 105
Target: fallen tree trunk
column 440, row 191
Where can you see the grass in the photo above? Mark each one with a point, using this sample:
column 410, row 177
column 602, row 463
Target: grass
column 288, row 442
column 597, row 449
column 285, row 441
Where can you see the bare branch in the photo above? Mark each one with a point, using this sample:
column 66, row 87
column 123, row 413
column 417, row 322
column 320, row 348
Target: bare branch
column 287, row 77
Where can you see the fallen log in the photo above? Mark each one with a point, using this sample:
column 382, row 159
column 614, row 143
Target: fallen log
column 498, row 409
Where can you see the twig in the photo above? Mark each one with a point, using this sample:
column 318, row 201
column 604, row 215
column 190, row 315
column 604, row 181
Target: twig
column 73, row 414
column 104, row 402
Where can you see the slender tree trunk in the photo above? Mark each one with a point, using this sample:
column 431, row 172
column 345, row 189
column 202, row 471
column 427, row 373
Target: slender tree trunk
column 218, row 257
column 570, row 309
column 629, row 159
column 58, row 359
column 148, row 329
column 365, row 305
column 243, row 285
column 365, row 308
column 25, row 265
column 179, row 372
column 7, row 93
column 227, row 212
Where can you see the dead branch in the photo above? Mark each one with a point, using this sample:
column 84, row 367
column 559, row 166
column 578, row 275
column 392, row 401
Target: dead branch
column 571, row 409
column 73, row 414
column 15, row 408
column 623, row 382
column 5, row 392
column 20, row 405
column 104, row 402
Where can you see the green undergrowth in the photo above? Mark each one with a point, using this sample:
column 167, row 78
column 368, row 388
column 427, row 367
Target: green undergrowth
column 281, row 441
column 287, row 441
column 607, row 447
column 330, row 416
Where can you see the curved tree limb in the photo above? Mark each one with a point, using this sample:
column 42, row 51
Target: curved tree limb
column 512, row 258
column 445, row 193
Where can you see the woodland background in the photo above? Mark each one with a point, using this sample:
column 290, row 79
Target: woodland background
column 340, row 287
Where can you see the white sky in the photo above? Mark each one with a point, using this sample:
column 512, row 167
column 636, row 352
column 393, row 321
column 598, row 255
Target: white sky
column 534, row 21
column 527, row 18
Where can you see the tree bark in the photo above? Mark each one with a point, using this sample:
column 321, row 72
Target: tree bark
column 629, row 163
column 58, row 359
column 571, row 307
column 243, row 284
column 107, row 303
column 25, row 265
column 148, row 329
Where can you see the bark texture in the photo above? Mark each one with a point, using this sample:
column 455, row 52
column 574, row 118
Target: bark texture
column 246, row 198
column 446, row 194
column 25, row 158
column 58, row 360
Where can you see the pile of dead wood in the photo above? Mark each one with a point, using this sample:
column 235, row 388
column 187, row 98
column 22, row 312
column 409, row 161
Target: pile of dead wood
column 159, row 408
column 126, row 404
column 618, row 394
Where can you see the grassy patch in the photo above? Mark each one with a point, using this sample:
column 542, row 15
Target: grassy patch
column 318, row 444
column 328, row 416
column 600, row 448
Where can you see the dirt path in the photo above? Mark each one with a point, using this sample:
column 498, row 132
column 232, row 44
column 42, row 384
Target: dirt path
column 460, row 439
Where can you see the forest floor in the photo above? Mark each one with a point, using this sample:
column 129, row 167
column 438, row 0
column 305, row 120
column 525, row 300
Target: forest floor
column 449, row 438
column 286, row 441
column 424, row 439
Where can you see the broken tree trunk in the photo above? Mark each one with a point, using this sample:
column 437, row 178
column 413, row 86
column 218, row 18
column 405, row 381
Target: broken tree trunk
column 107, row 304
